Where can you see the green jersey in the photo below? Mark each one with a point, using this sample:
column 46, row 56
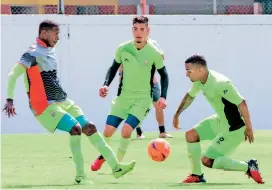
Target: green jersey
column 139, row 67
column 223, row 97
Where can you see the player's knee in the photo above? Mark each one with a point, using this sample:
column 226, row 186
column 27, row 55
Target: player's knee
column 158, row 110
column 127, row 130
column 191, row 136
column 109, row 130
column 76, row 130
column 207, row 161
column 89, row 129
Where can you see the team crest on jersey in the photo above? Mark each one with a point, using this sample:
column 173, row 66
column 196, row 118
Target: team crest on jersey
column 53, row 114
column 145, row 62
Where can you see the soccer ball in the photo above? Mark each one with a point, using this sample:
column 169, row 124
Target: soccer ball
column 158, row 149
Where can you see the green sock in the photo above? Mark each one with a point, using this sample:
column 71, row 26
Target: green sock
column 124, row 142
column 194, row 154
column 228, row 164
column 75, row 145
column 99, row 142
column 107, row 139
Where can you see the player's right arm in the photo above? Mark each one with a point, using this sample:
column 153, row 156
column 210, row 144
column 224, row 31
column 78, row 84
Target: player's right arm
column 26, row 61
column 111, row 73
column 13, row 75
column 185, row 103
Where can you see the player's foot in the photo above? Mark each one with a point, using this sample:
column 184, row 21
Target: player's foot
column 140, row 136
column 97, row 164
column 253, row 171
column 192, row 178
column 123, row 169
column 165, row 135
column 82, row 180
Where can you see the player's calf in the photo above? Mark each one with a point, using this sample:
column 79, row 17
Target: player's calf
column 112, row 124
column 75, row 146
column 130, row 124
column 126, row 131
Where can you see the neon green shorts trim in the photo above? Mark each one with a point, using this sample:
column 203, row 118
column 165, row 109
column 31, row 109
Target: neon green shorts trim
column 222, row 143
column 60, row 114
column 122, row 106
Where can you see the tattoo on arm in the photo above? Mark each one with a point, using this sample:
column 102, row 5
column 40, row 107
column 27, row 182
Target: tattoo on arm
column 185, row 103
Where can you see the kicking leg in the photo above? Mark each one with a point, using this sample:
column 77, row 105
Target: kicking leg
column 98, row 141
column 112, row 124
column 65, row 122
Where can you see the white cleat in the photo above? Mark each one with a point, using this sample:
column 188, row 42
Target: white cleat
column 165, row 135
column 140, row 136
column 82, row 180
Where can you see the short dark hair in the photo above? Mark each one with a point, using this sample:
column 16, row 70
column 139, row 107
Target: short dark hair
column 140, row 19
column 196, row 59
column 47, row 25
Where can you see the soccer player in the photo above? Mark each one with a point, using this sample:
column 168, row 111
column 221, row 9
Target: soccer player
column 155, row 97
column 140, row 59
column 227, row 129
column 50, row 105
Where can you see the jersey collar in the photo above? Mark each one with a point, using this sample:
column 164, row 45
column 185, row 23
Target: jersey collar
column 41, row 43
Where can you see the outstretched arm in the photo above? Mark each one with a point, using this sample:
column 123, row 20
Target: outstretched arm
column 14, row 74
column 185, row 103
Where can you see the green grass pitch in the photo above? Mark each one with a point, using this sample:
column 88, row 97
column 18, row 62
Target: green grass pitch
column 44, row 161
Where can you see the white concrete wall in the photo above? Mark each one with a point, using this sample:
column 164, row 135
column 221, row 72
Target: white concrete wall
column 238, row 46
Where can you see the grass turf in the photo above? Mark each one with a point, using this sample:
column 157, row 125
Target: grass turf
column 44, row 161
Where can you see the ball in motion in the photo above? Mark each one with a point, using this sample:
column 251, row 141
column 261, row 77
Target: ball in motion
column 158, row 149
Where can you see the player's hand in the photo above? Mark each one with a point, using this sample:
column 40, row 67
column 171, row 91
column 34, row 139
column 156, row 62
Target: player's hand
column 249, row 134
column 103, row 91
column 161, row 103
column 9, row 108
column 176, row 122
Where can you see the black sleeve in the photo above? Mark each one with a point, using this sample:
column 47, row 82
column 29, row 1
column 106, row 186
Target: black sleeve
column 164, row 81
column 111, row 73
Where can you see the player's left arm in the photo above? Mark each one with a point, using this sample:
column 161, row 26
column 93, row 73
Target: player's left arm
column 120, row 70
column 163, row 75
column 230, row 93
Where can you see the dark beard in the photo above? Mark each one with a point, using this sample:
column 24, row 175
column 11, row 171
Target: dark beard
column 47, row 43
